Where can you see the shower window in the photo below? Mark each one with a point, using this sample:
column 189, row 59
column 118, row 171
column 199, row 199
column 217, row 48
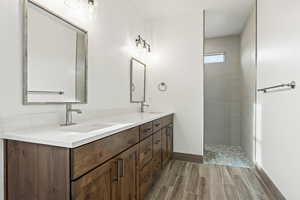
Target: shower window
column 216, row 58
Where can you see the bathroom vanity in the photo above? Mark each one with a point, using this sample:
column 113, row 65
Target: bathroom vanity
column 113, row 163
column 108, row 158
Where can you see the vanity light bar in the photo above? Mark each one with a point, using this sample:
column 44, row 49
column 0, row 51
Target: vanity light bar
column 141, row 41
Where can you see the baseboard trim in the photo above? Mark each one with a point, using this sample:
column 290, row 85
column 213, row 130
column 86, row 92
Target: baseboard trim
column 188, row 157
column 267, row 181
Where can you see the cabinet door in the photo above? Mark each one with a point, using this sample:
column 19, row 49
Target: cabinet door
column 157, row 154
column 36, row 172
column 169, row 142
column 146, row 180
column 164, row 145
column 127, row 165
column 99, row 184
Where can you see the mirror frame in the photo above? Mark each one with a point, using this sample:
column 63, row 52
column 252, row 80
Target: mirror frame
column 25, row 54
column 131, row 79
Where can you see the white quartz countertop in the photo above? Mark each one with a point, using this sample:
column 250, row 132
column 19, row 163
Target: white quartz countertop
column 84, row 132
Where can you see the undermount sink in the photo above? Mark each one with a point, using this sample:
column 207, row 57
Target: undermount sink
column 85, row 128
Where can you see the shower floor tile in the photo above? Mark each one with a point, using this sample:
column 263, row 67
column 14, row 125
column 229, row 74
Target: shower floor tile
column 226, row 155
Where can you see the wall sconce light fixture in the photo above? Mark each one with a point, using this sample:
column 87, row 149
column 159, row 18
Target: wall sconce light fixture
column 140, row 41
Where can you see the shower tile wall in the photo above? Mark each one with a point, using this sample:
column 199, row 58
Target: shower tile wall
column 222, row 97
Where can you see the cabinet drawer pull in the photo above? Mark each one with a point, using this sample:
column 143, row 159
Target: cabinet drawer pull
column 157, row 125
column 120, row 166
column 116, row 178
column 147, row 130
column 157, row 142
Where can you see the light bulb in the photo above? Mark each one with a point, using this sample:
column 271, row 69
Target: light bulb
column 91, row 8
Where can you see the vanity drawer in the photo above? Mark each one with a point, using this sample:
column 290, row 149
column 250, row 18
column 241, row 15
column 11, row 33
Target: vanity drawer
column 146, row 130
column 157, row 125
column 146, row 151
column 167, row 120
column 146, row 181
column 89, row 156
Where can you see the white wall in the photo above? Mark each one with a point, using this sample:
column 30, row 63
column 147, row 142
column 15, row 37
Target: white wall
column 248, row 85
column 278, row 135
column 222, row 94
column 111, row 44
column 177, row 61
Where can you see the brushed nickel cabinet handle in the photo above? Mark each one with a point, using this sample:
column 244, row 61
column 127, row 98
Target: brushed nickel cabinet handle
column 120, row 168
column 123, row 169
column 116, row 179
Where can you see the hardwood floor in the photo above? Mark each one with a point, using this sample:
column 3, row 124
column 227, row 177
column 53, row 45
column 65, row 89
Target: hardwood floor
column 191, row 181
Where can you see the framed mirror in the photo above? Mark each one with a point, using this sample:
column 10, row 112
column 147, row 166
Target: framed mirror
column 137, row 81
column 55, row 58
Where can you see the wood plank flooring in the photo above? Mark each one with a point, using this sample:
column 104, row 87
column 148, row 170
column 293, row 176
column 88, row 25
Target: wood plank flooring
column 191, row 181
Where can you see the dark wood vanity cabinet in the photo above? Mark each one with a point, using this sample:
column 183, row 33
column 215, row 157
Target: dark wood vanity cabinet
column 123, row 166
column 115, row 180
column 128, row 173
column 157, row 125
column 167, row 144
column 101, row 183
column 146, row 130
column 36, row 172
column 157, row 154
column 89, row 156
column 146, row 151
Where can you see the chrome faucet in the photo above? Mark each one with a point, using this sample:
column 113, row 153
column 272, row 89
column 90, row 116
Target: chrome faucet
column 143, row 105
column 69, row 111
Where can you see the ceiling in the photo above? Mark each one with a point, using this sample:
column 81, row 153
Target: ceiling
column 224, row 17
